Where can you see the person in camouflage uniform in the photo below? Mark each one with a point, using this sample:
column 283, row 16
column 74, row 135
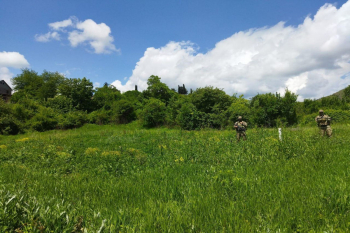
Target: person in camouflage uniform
column 241, row 127
column 324, row 124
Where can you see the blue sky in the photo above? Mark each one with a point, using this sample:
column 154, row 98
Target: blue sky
column 192, row 35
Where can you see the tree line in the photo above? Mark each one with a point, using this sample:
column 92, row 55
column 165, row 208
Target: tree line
column 51, row 101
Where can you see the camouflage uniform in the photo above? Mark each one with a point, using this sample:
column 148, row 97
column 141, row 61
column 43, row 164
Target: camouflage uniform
column 239, row 125
column 323, row 123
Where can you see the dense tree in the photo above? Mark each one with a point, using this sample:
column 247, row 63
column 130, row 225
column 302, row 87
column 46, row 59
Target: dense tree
column 269, row 109
column 106, row 96
column 41, row 87
column 211, row 100
column 239, row 107
column 347, row 94
column 154, row 113
column 123, row 112
column 80, row 91
column 158, row 90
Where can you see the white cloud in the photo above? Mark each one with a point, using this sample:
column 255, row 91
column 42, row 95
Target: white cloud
column 88, row 32
column 309, row 59
column 13, row 60
column 47, row 37
column 6, row 75
column 97, row 35
column 61, row 24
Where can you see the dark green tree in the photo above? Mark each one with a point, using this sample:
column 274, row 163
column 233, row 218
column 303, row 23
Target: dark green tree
column 106, row 96
column 123, row 112
column 211, row 100
column 29, row 84
column 158, row 90
column 153, row 114
column 80, row 91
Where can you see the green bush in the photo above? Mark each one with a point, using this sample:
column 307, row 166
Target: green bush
column 10, row 125
column 188, row 117
column 73, row 119
column 123, row 112
column 8, row 122
column 100, row 117
column 153, row 114
column 60, row 103
column 338, row 116
column 44, row 120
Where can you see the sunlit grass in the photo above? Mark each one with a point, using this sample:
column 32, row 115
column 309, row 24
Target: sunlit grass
column 118, row 178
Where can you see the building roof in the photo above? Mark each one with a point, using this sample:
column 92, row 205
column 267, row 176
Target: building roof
column 3, row 82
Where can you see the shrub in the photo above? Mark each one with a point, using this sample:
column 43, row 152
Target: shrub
column 60, row 103
column 338, row 116
column 153, row 114
column 100, row 117
column 188, row 117
column 73, row 119
column 44, row 120
column 123, row 112
column 8, row 122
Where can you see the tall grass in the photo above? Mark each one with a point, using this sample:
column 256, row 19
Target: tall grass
column 116, row 178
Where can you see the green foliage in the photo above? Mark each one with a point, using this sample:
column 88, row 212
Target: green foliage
column 211, row 100
column 174, row 106
column 153, row 114
column 337, row 116
column 100, row 117
column 123, row 112
column 347, row 94
column 9, row 124
column 44, row 120
column 239, row 107
column 40, row 87
column 73, row 119
column 106, row 96
column 60, row 103
column 272, row 109
column 158, row 90
column 123, row 179
column 188, row 117
column 80, row 91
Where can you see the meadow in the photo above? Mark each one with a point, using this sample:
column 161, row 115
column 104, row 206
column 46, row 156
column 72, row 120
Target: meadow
column 128, row 179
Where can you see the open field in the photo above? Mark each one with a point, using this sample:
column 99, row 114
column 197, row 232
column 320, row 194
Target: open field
column 116, row 178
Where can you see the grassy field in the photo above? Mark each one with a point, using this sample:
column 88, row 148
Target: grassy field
column 120, row 179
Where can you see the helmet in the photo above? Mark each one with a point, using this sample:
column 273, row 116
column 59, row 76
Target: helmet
column 320, row 111
column 239, row 118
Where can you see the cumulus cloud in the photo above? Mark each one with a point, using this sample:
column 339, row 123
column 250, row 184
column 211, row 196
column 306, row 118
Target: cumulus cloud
column 61, row 24
column 6, row 75
column 47, row 37
column 13, row 60
column 88, row 32
column 308, row 59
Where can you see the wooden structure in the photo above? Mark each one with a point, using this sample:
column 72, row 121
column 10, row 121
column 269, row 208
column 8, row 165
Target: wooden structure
column 5, row 91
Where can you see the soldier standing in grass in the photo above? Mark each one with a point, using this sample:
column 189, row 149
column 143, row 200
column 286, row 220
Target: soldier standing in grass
column 324, row 124
column 241, row 127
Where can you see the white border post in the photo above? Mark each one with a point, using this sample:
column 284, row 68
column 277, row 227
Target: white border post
column 280, row 134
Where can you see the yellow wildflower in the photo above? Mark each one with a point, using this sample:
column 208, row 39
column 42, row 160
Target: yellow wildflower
column 4, row 147
column 91, row 151
column 162, row 146
column 107, row 153
column 179, row 160
column 63, row 154
column 22, row 140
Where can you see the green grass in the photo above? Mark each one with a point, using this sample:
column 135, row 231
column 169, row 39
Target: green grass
column 117, row 178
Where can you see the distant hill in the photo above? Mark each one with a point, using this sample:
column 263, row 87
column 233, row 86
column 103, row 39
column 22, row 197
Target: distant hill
column 340, row 94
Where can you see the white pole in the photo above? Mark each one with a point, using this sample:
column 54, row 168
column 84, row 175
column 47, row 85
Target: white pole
column 280, row 133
